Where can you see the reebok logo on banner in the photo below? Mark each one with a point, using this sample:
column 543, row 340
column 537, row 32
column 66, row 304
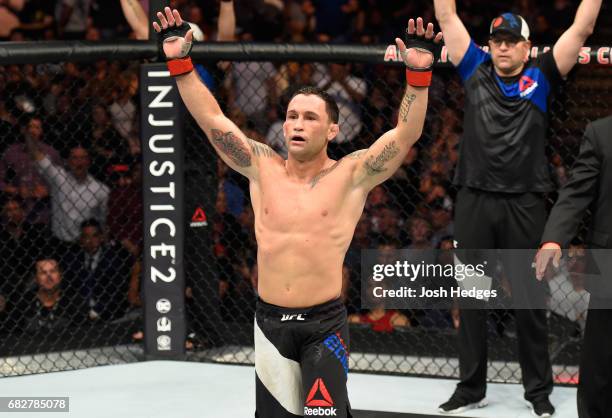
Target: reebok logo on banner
column 320, row 399
column 198, row 218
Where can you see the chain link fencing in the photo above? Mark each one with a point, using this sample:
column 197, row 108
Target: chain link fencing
column 414, row 207
column 71, row 232
column 85, row 117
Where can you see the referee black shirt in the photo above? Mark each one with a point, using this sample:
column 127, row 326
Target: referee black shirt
column 503, row 148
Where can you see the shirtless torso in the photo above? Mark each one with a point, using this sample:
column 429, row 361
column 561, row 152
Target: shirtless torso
column 303, row 232
column 306, row 207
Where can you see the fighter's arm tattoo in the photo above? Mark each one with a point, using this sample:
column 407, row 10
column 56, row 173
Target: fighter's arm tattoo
column 322, row 174
column 233, row 147
column 406, row 105
column 376, row 165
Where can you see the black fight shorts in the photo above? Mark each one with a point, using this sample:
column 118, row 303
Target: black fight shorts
column 301, row 361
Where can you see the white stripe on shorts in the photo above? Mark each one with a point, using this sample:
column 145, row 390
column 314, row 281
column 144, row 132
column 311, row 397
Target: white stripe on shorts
column 280, row 375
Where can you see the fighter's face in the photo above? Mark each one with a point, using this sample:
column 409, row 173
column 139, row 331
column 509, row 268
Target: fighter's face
column 307, row 126
column 508, row 53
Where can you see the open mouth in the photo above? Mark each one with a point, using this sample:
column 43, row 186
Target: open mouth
column 297, row 138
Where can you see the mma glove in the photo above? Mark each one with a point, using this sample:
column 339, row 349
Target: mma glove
column 421, row 77
column 182, row 64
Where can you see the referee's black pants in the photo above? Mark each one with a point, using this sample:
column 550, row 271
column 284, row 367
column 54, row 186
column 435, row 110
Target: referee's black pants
column 486, row 220
column 595, row 386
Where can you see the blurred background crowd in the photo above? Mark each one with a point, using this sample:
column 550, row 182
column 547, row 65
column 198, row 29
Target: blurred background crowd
column 84, row 118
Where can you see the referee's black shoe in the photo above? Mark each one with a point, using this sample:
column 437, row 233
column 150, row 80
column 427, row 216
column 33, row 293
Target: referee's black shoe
column 457, row 404
column 541, row 407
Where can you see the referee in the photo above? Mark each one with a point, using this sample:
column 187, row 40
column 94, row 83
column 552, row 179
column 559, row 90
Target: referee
column 503, row 175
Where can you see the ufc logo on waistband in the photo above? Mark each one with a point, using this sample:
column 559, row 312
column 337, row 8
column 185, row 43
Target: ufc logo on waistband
column 293, row 317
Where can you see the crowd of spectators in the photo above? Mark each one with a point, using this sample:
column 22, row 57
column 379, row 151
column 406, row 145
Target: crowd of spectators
column 336, row 21
column 70, row 175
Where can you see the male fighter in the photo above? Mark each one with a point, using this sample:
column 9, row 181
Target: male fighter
column 306, row 209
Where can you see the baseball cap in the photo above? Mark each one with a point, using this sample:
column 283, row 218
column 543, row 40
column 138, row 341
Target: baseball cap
column 511, row 23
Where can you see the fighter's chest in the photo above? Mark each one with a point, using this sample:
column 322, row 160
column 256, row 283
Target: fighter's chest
column 288, row 205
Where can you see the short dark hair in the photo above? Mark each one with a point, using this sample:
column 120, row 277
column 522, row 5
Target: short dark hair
column 330, row 104
column 91, row 222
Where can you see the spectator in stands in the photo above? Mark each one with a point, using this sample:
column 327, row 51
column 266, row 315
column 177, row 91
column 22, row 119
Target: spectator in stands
column 349, row 91
column 236, row 291
column 7, row 120
column 100, row 87
column 93, row 34
column 108, row 19
column 379, row 318
column 100, row 272
column 108, row 148
column 75, row 194
column 387, row 225
column 123, row 109
column 333, row 18
column 419, row 233
column 432, row 186
column 19, row 176
column 49, row 306
column 125, row 206
column 232, row 193
column 253, row 90
column 65, row 124
column 36, row 18
column 441, row 219
column 296, row 23
column 138, row 20
column 378, row 196
column 21, row 243
column 72, row 17
column 362, row 240
column 404, row 185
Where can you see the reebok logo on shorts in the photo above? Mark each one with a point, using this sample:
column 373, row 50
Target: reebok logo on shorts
column 321, row 400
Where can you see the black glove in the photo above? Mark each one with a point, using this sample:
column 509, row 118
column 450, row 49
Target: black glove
column 172, row 32
column 420, row 42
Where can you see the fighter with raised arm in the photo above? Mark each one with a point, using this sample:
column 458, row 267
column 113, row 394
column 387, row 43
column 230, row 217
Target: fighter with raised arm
column 306, row 209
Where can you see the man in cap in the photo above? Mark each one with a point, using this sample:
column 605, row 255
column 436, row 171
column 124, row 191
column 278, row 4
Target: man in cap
column 502, row 175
